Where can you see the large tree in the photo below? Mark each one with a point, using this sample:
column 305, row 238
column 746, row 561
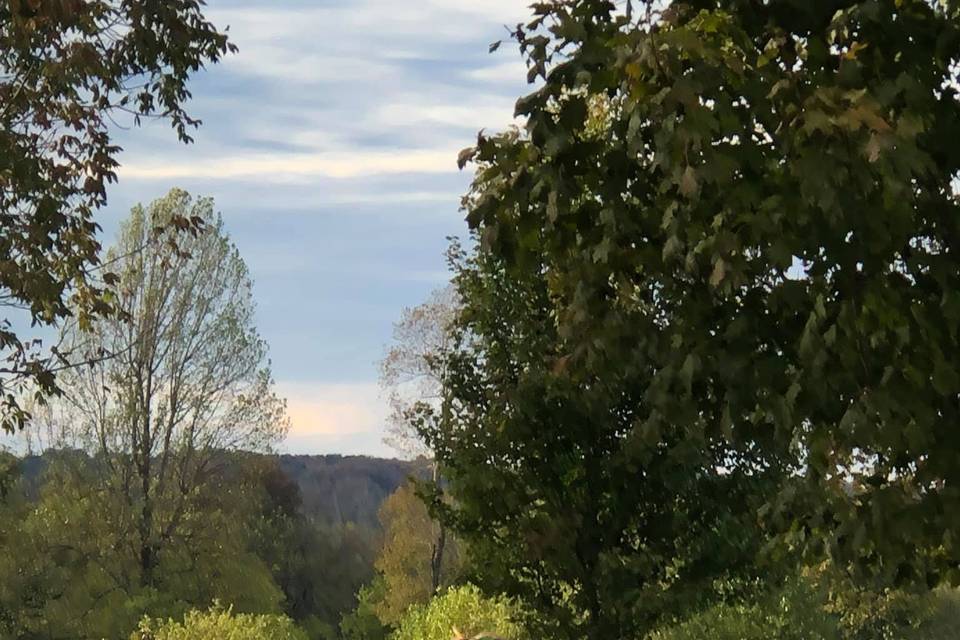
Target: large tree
column 187, row 383
column 603, row 524
column 67, row 69
column 721, row 249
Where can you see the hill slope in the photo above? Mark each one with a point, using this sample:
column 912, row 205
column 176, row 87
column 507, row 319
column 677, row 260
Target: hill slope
column 339, row 489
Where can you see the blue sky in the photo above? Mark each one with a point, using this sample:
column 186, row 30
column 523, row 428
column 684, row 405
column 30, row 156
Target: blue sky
column 329, row 144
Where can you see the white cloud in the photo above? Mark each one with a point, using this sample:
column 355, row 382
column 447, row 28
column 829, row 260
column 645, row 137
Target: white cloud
column 513, row 72
column 366, row 25
column 346, row 89
column 476, row 114
column 277, row 62
column 281, row 167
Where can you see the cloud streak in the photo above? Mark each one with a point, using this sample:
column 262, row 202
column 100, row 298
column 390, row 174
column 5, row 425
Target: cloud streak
column 330, row 143
column 294, row 167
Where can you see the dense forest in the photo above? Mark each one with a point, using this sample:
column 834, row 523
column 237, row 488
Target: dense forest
column 298, row 534
column 696, row 373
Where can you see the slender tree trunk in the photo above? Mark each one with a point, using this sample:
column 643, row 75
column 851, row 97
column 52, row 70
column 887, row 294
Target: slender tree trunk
column 436, row 555
column 436, row 560
column 147, row 549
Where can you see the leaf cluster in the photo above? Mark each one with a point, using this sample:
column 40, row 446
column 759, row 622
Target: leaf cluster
column 68, row 68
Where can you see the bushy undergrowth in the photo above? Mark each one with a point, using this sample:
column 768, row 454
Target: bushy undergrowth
column 462, row 611
column 824, row 608
column 220, row 624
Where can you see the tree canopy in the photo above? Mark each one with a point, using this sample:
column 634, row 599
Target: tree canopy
column 715, row 287
column 188, row 378
column 67, row 67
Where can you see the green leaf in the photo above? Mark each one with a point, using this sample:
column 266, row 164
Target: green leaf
column 946, row 379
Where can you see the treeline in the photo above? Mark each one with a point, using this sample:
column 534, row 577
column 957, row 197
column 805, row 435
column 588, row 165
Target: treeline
column 334, row 489
column 255, row 544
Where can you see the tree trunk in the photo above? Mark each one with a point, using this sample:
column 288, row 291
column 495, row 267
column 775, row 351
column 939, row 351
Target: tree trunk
column 148, row 556
column 436, row 560
column 436, row 555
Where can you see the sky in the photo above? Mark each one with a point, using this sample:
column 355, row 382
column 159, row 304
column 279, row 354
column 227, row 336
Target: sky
column 329, row 144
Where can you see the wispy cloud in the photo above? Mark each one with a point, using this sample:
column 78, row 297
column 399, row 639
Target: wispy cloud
column 505, row 72
column 293, row 167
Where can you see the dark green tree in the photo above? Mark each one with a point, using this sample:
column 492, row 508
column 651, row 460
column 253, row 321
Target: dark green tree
column 602, row 522
column 66, row 68
column 715, row 281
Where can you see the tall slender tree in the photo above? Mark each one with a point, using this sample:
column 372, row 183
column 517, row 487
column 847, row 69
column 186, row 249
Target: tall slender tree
column 411, row 374
column 188, row 380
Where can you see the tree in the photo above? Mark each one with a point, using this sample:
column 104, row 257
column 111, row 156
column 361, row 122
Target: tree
column 767, row 229
column 603, row 525
column 363, row 623
column 189, row 381
column 405, row 560
column 69, row 570
column 412, row 373
column 68, row 68
column 319, row 567
column 731, row 295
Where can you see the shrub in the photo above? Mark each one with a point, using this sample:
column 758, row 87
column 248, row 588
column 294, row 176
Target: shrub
column 794, row 613
column 219, row 624
column 462, row 611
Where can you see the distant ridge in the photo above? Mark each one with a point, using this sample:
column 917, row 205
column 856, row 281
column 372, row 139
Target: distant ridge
column 339, row 489
column 335, row 489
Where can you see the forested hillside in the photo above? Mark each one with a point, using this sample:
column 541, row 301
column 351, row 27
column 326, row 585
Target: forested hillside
column 339, row 489
column 334, row 490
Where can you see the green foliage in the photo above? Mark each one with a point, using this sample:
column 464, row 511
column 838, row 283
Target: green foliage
column 461, row 612
column 566, row 498
column 795, row 612
column 404, row 562
column 69, row 69
column 824, row 606
column 66, row 573
column 319, row 569
column 318, row 566
column 219, row 624
column 363, row 623
column 724, row 289
column 67, row 570
column 942, row 619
